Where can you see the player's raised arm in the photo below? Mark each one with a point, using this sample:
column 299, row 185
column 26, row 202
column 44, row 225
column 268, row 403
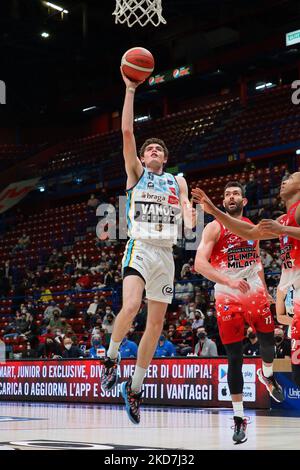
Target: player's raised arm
column 133, row 165
column 203, row 266
column 239, row 227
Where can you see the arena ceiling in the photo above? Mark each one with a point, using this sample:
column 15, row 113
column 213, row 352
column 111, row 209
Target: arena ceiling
column 81, row 56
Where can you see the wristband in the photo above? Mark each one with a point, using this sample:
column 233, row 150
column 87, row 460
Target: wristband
column 131, row 89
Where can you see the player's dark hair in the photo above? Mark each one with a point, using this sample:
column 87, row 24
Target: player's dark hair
column 154, row 140
column 235, row 184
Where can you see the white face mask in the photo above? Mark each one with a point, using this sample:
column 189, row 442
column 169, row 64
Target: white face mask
column 68, row 346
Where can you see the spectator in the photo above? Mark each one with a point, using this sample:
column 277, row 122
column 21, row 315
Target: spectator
column 251, row 191
column 32, row 329
column 31, row 351
column 93, row 307
column 205, row 347
column 173, row 335
column 93, row 202
column 55, row 320
column 199, row 320
column 4, row 285
column 282, row 344
column 128, row 348
column 48, row 313
column 211, row 324
column 22, row 323
column 83, row 282
column 69, row 309
column 53, row 260
column 133, row 335
column 249, row 166
column 46, row 295
column 108, row 322
column 251, row 348
column 97, row 350
column 22, row 244
column 185, row 345
column 70, row 351
column 49, row 349
column 164, row 348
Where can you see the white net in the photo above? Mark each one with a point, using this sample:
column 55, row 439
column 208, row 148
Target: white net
column 139, row 11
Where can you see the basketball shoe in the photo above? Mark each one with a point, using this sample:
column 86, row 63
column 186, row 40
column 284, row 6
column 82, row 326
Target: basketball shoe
column 132, row 401
column 109, row 375
column 273, row 387
column 240, row 428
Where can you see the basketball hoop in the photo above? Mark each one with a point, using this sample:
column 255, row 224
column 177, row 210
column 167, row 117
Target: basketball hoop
column 139, row 11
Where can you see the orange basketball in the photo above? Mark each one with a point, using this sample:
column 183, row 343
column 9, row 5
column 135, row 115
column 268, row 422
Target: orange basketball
column 137, row 64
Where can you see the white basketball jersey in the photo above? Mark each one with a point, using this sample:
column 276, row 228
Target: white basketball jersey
column 153, row 209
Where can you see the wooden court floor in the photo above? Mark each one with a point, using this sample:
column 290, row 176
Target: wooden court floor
column 38, row 426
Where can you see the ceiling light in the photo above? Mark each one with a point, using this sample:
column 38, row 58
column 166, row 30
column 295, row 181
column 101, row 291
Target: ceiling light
column 56, row 7
column 45, row 35
column 89, row 109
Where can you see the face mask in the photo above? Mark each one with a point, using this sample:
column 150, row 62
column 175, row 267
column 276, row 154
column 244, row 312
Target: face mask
column 201, row 335
column 278, row 339
column 96, row 344
column 68, row 346
column 252, row 336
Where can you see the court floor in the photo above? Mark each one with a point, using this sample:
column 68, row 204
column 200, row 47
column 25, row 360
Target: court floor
column 62, row 426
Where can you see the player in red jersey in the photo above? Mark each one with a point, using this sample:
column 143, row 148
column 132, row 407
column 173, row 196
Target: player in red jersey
column 287, row 229
column 241, row 297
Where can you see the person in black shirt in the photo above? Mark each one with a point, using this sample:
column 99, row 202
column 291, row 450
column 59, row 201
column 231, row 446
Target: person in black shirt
column 282, row 344
column 251, row 348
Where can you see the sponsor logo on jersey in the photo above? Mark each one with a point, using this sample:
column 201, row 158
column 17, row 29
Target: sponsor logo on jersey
column 151, row 176
column 173, row 191
column 167, row 290
column 226, row 318
column 226, row 307
column 173, row 200
column 170, row 182
column 150, row 185
column 154, row 197
column 162, row 183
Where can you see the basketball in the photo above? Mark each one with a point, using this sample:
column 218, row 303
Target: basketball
column 137, row 64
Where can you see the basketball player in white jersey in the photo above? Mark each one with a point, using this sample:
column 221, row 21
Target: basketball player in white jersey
column 155, row 203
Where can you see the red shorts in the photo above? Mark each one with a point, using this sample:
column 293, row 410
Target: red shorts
column 295, row 334
column 234, row 311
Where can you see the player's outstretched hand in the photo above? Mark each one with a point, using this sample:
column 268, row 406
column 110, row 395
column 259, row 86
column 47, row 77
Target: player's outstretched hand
column 201, row 198
column 128, row 82
column 270, row 227
column 239, row 284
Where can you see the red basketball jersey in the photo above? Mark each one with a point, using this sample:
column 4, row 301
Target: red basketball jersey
column 290, row 251
column 234, row 255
